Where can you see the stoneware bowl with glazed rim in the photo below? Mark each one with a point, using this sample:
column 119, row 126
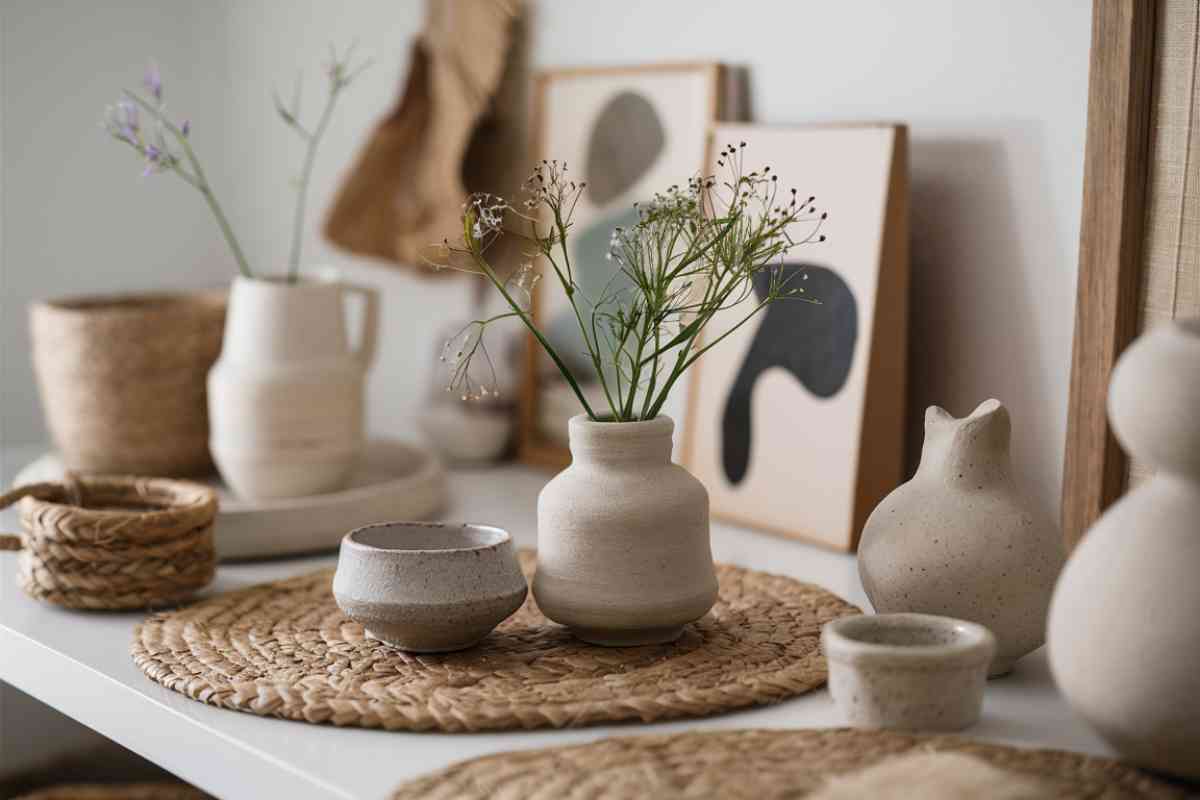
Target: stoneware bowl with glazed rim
column 908, row 671
column 428, row 587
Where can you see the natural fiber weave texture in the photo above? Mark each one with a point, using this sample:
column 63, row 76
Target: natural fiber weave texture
column 122, row 380
column 115, row 542
column 117, row 791
column 285, row 650
column 752, row 764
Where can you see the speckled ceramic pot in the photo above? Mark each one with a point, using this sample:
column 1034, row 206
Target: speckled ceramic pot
column 428, row 587
column 960, row 541
column 908, row 671
column 1124, row 626
column 623, row 550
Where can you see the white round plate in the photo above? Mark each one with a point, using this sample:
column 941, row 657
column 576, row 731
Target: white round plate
column 393, row 481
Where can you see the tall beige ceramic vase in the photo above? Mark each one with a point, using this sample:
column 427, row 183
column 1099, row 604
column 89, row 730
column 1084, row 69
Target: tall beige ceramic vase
column 1124, row 633
column 286, row 396
column 623, row 547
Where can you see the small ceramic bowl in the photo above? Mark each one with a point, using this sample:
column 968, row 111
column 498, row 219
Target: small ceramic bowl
column 908, row 671
column 428, row 587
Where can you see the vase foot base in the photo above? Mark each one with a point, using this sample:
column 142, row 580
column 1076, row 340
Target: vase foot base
column 617, row 637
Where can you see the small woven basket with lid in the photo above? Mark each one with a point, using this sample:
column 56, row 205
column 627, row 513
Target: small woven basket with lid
column 111, row 543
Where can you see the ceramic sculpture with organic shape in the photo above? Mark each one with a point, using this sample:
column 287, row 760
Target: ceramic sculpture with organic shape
column 1124, row 636
column 623, row 538
column 959, row 539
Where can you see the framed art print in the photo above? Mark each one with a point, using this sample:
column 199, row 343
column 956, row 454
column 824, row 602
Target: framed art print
column 795, row 423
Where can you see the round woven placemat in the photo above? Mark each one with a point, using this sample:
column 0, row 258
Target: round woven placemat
column 752, row 764
column 284, row 649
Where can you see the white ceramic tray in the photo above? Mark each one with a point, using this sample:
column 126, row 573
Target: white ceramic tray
column 394, row 481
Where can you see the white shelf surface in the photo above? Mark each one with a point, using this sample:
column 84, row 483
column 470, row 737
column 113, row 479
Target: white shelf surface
column 79, row 663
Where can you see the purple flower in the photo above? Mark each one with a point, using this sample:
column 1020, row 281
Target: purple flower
column 153, row 81
column 156, row 160
column 129, row 118
column 186, row 128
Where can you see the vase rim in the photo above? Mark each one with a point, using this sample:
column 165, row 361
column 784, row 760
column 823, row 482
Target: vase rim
column 318, row 281
column 660, row 424
column 939, row 415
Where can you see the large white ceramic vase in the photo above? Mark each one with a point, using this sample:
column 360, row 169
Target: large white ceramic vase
column 285, row 399
column 623, row 539
column 1124, row 631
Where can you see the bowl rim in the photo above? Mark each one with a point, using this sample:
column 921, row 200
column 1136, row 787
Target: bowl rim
column 973, row 643
column 503, row 537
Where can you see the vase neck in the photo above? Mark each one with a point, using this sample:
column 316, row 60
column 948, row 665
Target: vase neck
column 277, row 321
column 621, row 442
column 972, row 452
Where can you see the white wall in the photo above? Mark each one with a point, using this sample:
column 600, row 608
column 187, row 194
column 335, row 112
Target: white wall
column 995, row 94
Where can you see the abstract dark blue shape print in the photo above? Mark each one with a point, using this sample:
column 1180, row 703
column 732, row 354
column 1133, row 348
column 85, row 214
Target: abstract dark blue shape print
column 814, row 342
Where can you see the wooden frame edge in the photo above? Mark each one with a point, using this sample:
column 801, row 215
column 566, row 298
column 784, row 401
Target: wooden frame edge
column 867, row 493
column 1116, row 168
column 885, row 398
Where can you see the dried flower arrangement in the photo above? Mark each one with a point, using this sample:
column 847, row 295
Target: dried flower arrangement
column 695, row 251
column 166, row 146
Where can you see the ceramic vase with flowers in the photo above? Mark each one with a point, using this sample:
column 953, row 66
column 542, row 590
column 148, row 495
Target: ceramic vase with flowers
column 623, row 533
column 286, row 395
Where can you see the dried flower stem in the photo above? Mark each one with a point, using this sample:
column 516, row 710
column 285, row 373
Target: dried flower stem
column 176, row 154
column 196, row 178
column 340, row 76
column 693, row 253
column 476, row 251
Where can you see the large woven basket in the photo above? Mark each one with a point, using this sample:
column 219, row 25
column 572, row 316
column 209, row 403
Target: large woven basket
column 114, row 542
column 122, row 380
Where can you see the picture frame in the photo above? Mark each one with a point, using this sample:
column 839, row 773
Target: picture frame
column 1122, row 224
column 841, row 410
column 718, row 97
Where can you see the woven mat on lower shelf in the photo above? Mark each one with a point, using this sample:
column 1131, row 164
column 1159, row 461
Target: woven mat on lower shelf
column 767, row 765
column 284, row 649
column 117, row 791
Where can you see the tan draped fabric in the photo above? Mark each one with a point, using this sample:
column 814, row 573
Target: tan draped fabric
column 459, row 127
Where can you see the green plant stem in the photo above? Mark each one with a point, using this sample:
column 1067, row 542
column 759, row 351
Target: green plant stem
column 310, row 159
column 568, row 284
column 684, row 361
column 516, row 307
column 200, row 182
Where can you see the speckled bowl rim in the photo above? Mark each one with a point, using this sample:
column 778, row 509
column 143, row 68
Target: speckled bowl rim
column 975, row 645
column 503, row 537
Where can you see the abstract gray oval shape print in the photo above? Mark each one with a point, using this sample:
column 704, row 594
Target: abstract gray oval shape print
column 625, row 142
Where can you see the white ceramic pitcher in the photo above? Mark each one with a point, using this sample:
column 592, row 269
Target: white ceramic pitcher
column 285, row 399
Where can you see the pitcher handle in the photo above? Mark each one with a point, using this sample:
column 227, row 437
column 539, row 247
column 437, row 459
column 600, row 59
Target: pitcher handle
column 365, row 353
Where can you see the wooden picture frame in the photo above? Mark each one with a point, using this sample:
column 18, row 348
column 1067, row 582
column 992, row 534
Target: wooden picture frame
column 862, row 174
column 534, row 448
column 1116, row 170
